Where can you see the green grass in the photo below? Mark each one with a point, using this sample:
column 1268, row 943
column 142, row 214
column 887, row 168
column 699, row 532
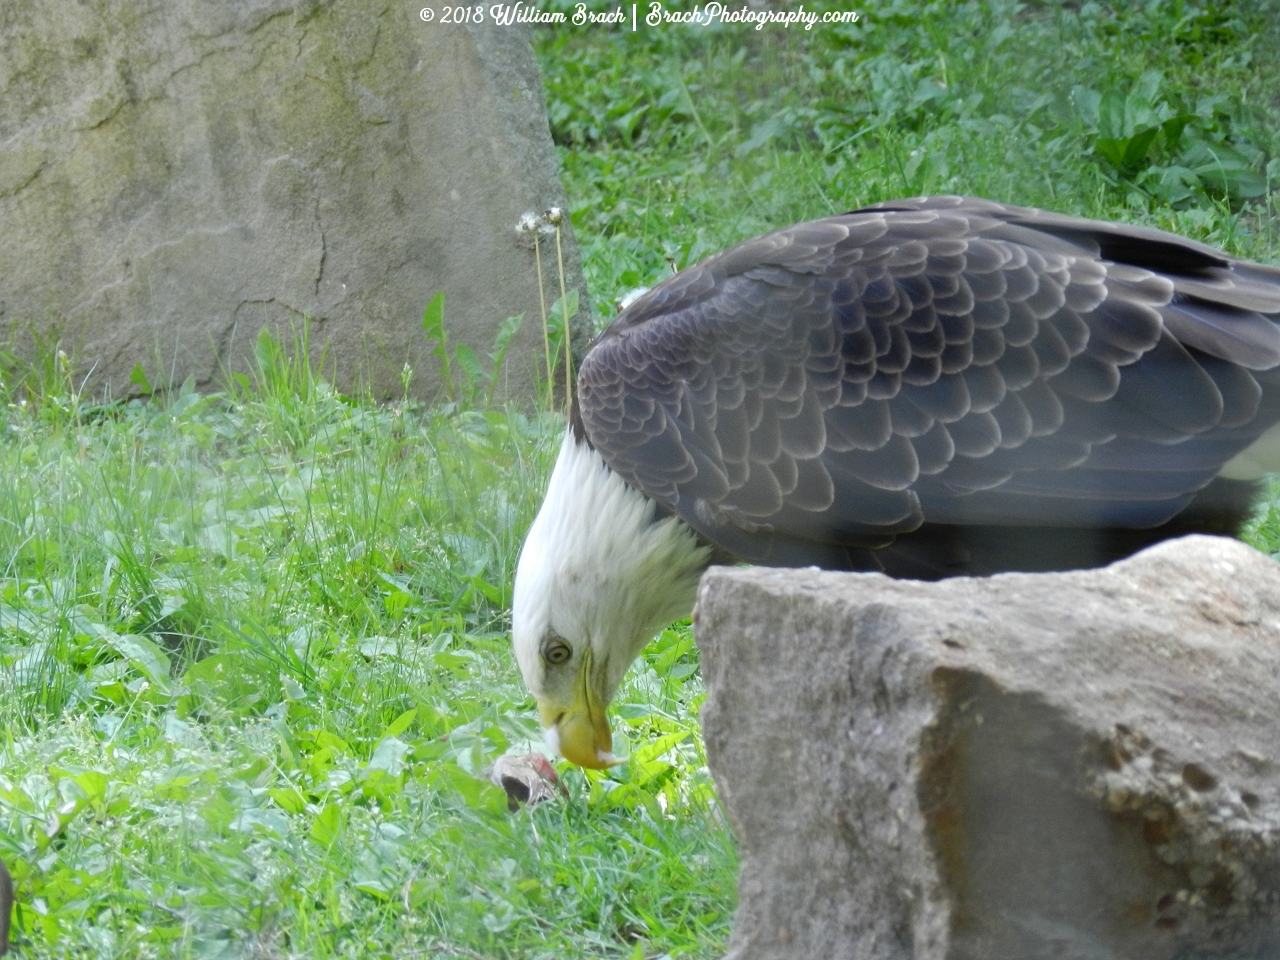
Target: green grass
column 677, row 141
column 254, row 645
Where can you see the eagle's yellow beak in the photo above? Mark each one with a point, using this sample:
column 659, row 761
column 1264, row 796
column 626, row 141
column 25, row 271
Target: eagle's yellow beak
column 582, row 731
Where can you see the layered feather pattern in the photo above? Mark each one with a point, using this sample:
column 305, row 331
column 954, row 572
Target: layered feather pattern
column 824, row 390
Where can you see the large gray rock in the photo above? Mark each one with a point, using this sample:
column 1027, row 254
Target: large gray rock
column 176, row 173
column 1075, row 765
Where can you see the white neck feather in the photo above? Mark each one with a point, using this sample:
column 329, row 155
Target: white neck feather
column 596, row 567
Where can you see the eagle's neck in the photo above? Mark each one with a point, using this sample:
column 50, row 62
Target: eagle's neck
column 599, row 565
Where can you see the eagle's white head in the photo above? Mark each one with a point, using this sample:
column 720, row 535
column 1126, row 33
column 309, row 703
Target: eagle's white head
column 598, row 576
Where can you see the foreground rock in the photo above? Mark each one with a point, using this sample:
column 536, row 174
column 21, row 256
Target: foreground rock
column 1077, row 765
column 175, row 175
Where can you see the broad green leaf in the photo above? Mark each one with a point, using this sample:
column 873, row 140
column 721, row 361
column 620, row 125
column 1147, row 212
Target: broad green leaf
column 1223, row 170
column 1173, row 129
column 375, row 647
column 396, row 603
column 138, row 377
column 94, row 785
column 1135, row 149
column 1088, row 105
column 144, row 654
column 569, row 304
column 469, row 364
column 228, row 679
column 331, row 741
column 288, row 799
column 438, row 338
column 479, row 795
column 327, row 826
column 258, row 819
column 675, row 652
column 653, row 750
column 491, row 593
column 389, row 756
column 1147, row 87
column 401, row 723
column 375, row 888
column 433, row 317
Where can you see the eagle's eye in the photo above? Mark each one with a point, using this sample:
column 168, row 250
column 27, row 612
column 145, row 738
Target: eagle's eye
column 555, row 651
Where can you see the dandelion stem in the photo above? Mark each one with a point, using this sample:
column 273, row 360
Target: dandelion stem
column 542, row 303
column 568, row 340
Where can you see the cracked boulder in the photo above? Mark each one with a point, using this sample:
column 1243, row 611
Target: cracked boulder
column 175, row 175
column 1076, row 765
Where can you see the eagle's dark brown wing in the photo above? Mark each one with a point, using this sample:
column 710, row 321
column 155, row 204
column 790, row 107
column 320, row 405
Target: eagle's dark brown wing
column 827, row 389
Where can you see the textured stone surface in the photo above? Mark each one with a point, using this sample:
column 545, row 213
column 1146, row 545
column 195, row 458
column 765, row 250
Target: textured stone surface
column 175, row 173
column 1074, row 765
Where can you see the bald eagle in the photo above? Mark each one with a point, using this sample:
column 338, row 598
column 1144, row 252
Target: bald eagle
column 931, row 387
